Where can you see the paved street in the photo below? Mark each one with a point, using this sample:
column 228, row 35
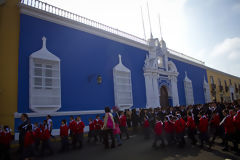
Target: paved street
column 138, row 148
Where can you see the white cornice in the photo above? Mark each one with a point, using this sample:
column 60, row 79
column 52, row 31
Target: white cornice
column 79, row 26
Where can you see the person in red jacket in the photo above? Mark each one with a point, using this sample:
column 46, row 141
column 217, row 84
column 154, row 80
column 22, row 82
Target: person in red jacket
column 146, row 127
column 180, row 130
column 98, row 124
column 191, row 126
column 158, row 129
column 79, row 131
column 91, row 133
column 5, row 141
column 64, row 135
column 236, row 122
column 123, row 125
column 37, row 136
column 203, row 129
column 229, row 128
column 72, row 127
column 214, row 126
column 28, row 149
column 169, row 129
column 45, row 137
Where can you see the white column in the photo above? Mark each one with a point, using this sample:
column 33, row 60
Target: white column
column 156, row 91
column 149, row 89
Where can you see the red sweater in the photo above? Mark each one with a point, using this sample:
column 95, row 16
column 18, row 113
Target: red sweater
column 236, row 120
column 180, row 125
column 72, row 126
column 228, row 125
column 37, row 133
column 215, row 121
column 98, row 124
column 29, row 139
column 79, row 127
column 158, row 128
column 91, row 126
column 123, row 121
column 5, row 138
column 45, row 134
column 190, row 123
column 63, row 130
column 203, row 125
column 168, row 127
column 146, row 124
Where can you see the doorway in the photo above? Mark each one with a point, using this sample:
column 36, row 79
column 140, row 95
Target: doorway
column 163, row 96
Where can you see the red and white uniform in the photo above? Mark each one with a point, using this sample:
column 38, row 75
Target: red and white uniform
column 158, row 129
column 236, row 120
column 79, row 127
column 169, row 127
column 64, row 130
column 45, row 133
column 215, row 120
column 5, row 137
column 179, row 125
column 72, row 126
column 98, row 124
column 91, row 126
column 190, row 123
column 146, row 124
column 228, row 125
column 123, row 121
column 203, row 124
column 29, row 139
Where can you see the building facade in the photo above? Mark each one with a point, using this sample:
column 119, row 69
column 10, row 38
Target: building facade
column 63, row 64
column 223, row 87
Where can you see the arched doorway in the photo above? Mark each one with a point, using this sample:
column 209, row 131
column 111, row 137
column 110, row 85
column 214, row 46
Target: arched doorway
column 163, row 96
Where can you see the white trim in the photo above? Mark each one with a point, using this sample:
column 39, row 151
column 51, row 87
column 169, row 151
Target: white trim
column 79, row 26
column 66, row 113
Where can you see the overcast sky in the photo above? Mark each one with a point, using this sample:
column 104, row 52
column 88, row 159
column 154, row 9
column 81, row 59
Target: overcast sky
column 208, row 30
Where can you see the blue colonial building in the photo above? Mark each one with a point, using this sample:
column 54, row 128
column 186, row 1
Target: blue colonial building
column 70, row 65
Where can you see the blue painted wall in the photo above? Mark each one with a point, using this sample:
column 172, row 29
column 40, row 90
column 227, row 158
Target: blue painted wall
column 82, row 55
column 196, row 74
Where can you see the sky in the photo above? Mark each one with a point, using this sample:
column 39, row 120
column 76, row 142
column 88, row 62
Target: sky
column 208, row 30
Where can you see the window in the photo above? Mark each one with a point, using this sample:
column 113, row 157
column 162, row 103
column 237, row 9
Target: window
column 230, row 82
column 211, row 79
column 225, row 82
column 122, row 86
column 44, row 84
column 219, row 82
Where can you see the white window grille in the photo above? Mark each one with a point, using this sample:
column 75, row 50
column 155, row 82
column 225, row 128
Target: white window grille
column 188, row 90
column 45, row 84
column 122, row 86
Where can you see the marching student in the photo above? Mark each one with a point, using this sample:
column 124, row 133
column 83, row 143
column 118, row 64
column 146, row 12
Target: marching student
column 236, row 121
column 50, row 124
column 5, row 141
column 108, row 127
column 72, row 128
column 22, row 131
column 98, row 124
column 214, row 126
column 203, row 129
column 79, row 131
column 180, row 129
column 45, row 139
column 146, row 128
column 191, row 126
column 117, row 132
column 229, row 128
column 91, row 133
column 37, row 136
column 169, row 129
column 28, row 151
column 64, row 136
column 158, row 129
column 123, row 125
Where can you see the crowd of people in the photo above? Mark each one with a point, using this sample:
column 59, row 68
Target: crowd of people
column 169, row 125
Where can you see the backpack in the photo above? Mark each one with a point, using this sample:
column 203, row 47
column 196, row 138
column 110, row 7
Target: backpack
column 109, row 122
